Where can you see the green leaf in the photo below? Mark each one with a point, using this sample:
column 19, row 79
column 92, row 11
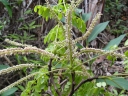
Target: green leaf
column 7, row 5
column 103, row 84
column 63, row 19
column 86, row 16
column 79, row 23
column 60, row 1
column 28, row 12
column 115, row 92
column 113, row 47
column 98, row 84
column 55, row 33
column 125, row 62
column 126, row 53
column 37, row 7
column 126, row 43
column 60, row 16
column 46, row 12
column 5, row 2
column 9, row 91
column 111, row 58
column 78, row 11
column 115, row 41
column 118, row 82
column 36, row 94
column 41, row 10
column 9, row 10
column 21, row 87
column 38, row 87
column 3, row 67
column 68, row 83
column 79, row 45
column 58, row 66
column 97, row 29
column 32, row 23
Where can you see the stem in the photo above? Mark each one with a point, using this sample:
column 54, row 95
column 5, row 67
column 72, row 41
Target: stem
column 84, row 81
column 73, row 84
column 51, row 79
column 69, row 37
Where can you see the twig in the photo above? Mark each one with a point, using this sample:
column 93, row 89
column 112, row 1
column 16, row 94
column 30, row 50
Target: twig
column 8, row 60
column 57, row 91
column 63, row 82
column 84, row 81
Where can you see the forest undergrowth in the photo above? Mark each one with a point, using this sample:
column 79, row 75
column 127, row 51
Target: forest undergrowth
column 57, row 49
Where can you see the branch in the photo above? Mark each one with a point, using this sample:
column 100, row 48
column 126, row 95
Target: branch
column 51, row 79
column 63, row 82
column 84, row 81
column 8, row 60
column 57, row 91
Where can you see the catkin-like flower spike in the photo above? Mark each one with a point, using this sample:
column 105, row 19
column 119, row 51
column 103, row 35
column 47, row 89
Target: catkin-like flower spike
column 80, row 73
column 68, row 25
column 18, row 82
column 103, row 52
column 60, row 43
column 89, row 30
column 17, row 67
column 26, row 50
column 68, row 34
column 39, row 51
column 17, row 44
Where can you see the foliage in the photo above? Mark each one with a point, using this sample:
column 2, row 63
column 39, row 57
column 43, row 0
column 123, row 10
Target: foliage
column 10, row 91
column 23, row 39
column 114, row 10
column 63, row 73
column 99, row 28
column 115, row 41
column 29, row 26
column 7, row 5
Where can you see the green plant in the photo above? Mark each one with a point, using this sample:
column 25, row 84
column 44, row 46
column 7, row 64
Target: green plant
column 114, row 10
column 23, row 39
column 8, row 7
column 29, row 26
column 64, row 73
column 114, row 7
column 2, row 25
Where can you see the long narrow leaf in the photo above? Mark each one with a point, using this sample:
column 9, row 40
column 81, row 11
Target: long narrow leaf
column 9, row 92
column 7, row 5
column 86, row 16
column 99, row 28
column 118, row 82
column 115, row 41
